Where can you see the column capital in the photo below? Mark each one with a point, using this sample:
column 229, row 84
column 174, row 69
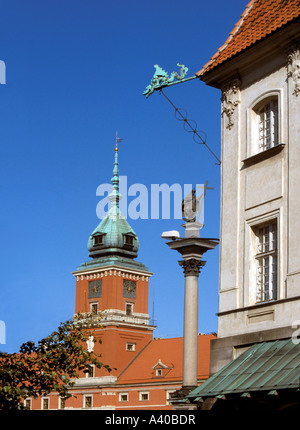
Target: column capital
column 192, row 266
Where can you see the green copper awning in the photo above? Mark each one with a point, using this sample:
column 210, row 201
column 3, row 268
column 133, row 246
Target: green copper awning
column 266, row 366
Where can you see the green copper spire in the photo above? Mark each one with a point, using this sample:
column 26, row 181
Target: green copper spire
column 114, row 196
column 114, row 236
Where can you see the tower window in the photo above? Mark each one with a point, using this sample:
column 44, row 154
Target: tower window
column 94, row 308
column 129, row 308
column 90, row 371
column 266, row 262
column 130, row 346
column 98, row 239
column 128, row 239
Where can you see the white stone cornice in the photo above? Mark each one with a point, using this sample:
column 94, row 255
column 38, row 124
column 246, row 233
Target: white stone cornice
column 95, row 381
column 114, row 316
column 98, row 272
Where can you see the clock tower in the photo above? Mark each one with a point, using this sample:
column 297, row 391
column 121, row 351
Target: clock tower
column 114, row 286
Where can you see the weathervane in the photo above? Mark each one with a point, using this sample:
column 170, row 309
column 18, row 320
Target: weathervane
column 161, row 79
column 118, row 139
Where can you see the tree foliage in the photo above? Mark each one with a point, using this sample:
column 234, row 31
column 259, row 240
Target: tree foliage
column 51, row 364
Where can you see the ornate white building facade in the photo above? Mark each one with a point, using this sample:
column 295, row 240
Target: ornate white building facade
column 258, row 72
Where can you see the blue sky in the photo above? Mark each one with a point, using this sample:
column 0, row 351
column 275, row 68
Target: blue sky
column 75, row 74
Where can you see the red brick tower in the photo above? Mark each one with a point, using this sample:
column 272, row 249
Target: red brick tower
column 115, row 286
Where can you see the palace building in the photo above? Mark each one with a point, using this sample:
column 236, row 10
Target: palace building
column 114, row 288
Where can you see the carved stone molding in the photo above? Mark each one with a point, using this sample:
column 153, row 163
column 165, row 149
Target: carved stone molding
column 293, row 66
column 192, row 267
column 230, row 100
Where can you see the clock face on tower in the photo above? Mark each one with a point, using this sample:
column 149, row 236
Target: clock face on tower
column 129, row 289
column 95, row 289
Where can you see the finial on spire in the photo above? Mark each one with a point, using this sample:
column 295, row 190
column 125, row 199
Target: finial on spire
column 118, row 139
column 115, row 179
column 114, row 197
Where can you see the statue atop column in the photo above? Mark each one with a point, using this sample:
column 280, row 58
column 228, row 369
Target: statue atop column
column 190, row 207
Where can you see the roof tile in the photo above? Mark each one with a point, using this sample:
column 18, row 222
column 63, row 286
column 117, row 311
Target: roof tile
column 260, row 19
column 169, row 352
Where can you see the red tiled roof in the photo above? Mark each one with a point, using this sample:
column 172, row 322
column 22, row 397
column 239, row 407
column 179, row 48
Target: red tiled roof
column 168, row 352
column 260, row 19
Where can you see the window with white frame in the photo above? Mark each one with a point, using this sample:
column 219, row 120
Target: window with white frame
column 267, row 124
column 130, row 346
column 123, row 397
column 45, row 403
column 88, row 401
column 94, row 308
column 129, row 308
column 90, row 371
column 159, row 372
column 266, row 262
column 169, row 396
column 144, row 396
column 62, row 403
column 27, row 403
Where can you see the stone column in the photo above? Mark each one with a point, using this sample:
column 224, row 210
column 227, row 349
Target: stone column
column 191, row 248
column 191, row 269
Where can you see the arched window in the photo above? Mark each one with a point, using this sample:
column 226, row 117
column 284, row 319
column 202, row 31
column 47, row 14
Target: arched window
column 263, row 128
column 267, row 124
